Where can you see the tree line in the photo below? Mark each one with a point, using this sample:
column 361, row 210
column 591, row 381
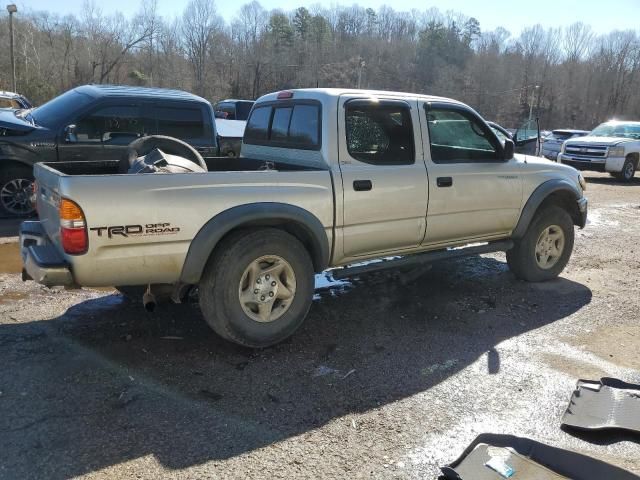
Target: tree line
column 569, row 77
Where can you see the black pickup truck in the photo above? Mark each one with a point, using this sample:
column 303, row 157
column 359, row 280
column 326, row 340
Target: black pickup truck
column 96, row 122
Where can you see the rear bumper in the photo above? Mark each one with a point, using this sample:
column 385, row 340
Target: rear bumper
column 41, row 261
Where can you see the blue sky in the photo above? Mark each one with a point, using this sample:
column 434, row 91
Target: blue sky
column 603, row 16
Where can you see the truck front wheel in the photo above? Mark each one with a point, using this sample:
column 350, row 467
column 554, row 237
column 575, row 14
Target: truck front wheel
column 628, row 170
column 257, row 288
column 544, row 250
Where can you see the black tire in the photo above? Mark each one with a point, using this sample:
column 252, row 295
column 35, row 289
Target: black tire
column 16, row 184
column 628, row 171
column 523, row 259
column 219, row 288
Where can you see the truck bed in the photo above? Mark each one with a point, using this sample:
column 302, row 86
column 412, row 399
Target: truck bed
column 170, row 208
column 214, row 164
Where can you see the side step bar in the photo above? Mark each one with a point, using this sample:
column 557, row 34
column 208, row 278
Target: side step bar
column 422, row 258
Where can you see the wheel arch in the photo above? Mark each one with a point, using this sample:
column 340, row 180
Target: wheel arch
column 295, row 220
column 552, row 192
column 6, row 163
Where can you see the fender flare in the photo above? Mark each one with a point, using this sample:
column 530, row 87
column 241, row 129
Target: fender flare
column 263, row 213
column 539, row 195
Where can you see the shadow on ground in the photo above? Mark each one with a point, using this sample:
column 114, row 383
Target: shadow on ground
column 107, row 382
column 610, row 180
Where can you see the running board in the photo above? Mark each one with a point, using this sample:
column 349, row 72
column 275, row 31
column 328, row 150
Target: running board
column 422, row 258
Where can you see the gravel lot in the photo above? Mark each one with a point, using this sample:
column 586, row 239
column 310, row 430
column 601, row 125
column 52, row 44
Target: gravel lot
column 384, row 380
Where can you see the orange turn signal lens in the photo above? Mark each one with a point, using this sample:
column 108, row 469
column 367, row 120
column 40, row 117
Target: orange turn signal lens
column 70, row 210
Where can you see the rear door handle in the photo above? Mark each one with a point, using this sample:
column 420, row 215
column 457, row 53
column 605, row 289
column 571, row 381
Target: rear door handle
column 362, row 185
column 444, row 181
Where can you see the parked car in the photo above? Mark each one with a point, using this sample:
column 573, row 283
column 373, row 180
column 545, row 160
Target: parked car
column 95, row 122
column 230, row 134
column 13, row 101
column 233, row 109
column 612, row 147
column 329, row 178
column 525, row 138
column 552, row 143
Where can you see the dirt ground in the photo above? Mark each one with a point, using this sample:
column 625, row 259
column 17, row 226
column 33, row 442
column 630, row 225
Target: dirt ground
column 384, row 380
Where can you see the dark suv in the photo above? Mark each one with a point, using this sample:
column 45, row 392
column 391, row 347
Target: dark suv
column 94, row 122
column 233, row 109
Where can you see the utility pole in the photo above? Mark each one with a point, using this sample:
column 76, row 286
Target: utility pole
column 360, row 67
column 533, row 97
column 11, row 8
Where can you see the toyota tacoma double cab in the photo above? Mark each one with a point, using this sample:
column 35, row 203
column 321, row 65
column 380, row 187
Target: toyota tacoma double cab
column 97, row 122
column 612, row 147
column 327, row 179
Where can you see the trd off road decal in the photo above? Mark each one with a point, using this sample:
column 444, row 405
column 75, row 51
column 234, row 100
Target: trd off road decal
column 137, row 230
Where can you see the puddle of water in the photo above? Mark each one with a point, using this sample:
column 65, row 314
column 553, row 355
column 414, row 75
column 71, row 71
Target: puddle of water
column 7, row 297
column 10, row 261
column 326, row 284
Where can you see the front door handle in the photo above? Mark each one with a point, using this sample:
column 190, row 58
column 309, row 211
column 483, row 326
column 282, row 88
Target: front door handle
column 444, row 181
column 362, row 185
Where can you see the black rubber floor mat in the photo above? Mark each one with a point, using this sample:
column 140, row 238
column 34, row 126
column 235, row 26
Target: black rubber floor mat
column 604, row 404
column 496, row 457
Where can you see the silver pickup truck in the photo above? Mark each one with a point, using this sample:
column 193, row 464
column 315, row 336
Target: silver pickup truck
column 327, row 179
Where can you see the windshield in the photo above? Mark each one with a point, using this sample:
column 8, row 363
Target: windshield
column 623, row 130
column 59, row 108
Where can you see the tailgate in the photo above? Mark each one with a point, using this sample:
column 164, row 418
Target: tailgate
column 48, row 199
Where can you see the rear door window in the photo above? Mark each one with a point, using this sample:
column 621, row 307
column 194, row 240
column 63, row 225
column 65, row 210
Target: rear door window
column 380, row 135
column 180, row 122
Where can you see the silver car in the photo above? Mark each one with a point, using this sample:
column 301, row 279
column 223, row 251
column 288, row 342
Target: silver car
column 552, row 143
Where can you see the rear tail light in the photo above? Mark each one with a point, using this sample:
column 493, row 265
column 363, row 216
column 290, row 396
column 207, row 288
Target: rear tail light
column 73, row 228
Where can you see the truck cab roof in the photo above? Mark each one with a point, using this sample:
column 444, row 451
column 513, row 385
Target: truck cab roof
column 99, row 91
column 319, row 93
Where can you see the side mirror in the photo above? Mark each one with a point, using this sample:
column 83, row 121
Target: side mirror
column 509, row 149
column 70, row 134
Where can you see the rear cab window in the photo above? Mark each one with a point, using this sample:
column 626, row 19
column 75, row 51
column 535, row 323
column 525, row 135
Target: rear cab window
column 286, row 124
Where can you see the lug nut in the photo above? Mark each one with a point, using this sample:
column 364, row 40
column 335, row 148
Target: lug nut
column 271, row 294
column 258, row 281
column 267, row 276
column 262, row 297
column 273, row 284
column 256, row 291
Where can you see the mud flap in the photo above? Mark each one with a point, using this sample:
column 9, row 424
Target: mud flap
column 606, row 404
column 495, row 457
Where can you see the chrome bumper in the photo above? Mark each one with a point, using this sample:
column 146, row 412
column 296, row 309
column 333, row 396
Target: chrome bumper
column 41, row 261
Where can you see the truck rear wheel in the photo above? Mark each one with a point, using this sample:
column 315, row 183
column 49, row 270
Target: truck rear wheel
column 544, row 250
column 16, row 189
column 257, row 288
